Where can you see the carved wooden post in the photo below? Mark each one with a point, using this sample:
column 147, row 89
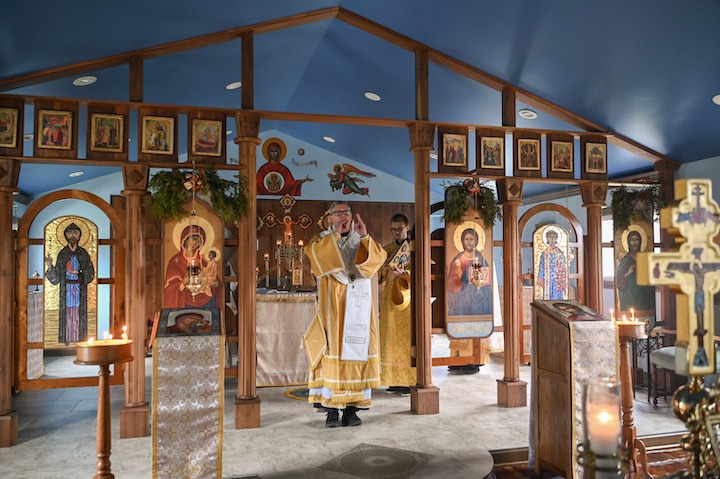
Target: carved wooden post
column 593, row 196
column 9, row 174
column 247, row 403
column 425, row 398
column 512, row 392
column 666, row 179
column 135, row 413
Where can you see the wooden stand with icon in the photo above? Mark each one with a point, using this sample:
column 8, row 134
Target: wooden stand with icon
column 103, row 353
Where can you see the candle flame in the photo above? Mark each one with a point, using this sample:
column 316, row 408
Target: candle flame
column 604, row 417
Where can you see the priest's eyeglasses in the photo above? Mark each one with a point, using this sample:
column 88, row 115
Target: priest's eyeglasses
column 342, row 212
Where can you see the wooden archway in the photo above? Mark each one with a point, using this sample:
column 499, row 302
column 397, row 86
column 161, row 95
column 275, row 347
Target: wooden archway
column 577, row 244
column 116, row 282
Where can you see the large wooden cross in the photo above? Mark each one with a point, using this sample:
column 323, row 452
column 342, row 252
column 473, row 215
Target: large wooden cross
column 692, row 269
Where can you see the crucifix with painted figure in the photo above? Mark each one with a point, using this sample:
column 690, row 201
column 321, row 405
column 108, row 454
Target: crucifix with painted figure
column 691, row 269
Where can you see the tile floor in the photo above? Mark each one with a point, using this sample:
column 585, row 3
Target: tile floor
column 57, row 432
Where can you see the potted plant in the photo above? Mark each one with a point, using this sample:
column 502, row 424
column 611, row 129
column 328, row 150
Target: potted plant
column 471, row 193
column 170, row 189
column 630, row 206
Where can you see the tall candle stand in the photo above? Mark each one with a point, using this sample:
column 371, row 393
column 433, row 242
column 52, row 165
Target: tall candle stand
column 288, row 258
column 103, row 353
column 629, row 331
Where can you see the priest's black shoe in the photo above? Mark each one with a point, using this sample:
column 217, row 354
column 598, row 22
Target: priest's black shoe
column 350, row 417
column 333, row 418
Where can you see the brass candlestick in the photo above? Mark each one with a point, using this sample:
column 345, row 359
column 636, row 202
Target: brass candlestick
column 103, row 353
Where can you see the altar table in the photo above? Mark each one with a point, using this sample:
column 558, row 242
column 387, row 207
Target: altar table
column 282, row 318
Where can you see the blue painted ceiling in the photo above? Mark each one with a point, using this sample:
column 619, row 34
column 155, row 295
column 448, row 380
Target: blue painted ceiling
column 645, row 70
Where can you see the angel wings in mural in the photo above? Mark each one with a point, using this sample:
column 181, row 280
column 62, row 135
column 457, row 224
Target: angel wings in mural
column 344, row 178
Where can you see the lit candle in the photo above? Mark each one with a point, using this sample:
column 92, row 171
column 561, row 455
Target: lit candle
column 603, row 428
column 612, row 315
column 632, row 314
column 602, row 424
column 267, row 269
column 124, row 333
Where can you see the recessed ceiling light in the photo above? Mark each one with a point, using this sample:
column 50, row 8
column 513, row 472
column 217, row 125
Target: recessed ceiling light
column 716, row 99
column 76, row 173
column 85, row 81
column 329, row 139
column 372, row 96
column 527, row 114
column 27, row 136
column 433, row 156
column 233, row 86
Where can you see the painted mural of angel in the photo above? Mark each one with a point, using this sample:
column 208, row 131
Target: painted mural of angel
column 343, row 178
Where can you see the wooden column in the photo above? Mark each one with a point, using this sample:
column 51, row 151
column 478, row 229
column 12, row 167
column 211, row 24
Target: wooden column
column 135, row 413
column 247, row 73
column 424, row 397
column 593, row 195
column 247, row 403
column 666, row 178
column 136, row 78
column 9, row 173
column 512, row 392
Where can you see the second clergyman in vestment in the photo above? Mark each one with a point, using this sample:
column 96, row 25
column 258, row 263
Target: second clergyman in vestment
column 343, row 341
column 396, row 326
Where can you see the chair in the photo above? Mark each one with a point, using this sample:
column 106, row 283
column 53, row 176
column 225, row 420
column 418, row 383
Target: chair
column 664, row 358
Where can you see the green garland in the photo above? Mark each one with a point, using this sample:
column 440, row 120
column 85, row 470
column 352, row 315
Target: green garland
column 467, row 194
column 168, row 192
column 630, row 206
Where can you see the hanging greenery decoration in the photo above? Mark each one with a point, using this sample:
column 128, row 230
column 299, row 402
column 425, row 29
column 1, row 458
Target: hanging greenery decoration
column 170, row 189
column 470, row 193
column 630, row 206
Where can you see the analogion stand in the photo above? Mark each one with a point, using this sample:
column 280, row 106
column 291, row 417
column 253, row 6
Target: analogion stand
column 103, row 353
column 629, row 331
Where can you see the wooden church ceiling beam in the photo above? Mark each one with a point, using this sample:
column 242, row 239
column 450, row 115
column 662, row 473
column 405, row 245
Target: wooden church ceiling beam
column 350, row 18
column 496, row 83
column 79, row 68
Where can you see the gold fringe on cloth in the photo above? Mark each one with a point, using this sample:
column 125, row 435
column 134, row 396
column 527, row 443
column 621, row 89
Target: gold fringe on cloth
column 187, row 407
column 285, row 298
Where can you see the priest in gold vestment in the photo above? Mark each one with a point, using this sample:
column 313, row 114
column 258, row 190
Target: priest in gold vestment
column 342, row 340
column 397, row 371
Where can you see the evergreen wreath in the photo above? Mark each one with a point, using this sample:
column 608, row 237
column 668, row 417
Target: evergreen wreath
column 170, row 189
column 470, row 193
column 630, row 206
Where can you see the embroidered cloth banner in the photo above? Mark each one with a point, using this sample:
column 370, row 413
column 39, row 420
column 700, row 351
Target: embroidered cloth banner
column 187, row 407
